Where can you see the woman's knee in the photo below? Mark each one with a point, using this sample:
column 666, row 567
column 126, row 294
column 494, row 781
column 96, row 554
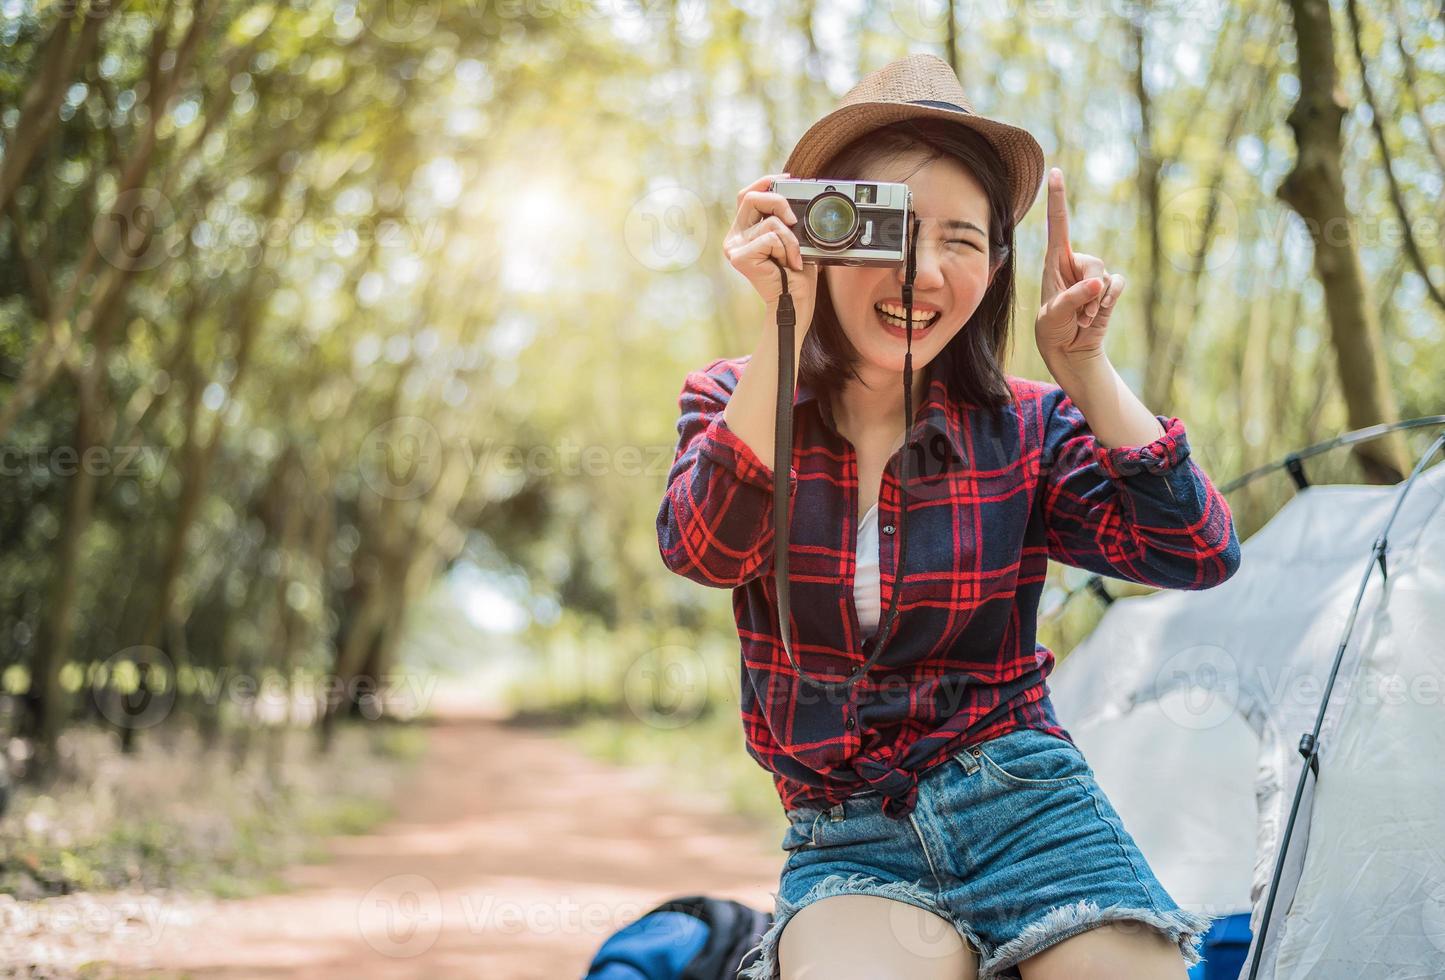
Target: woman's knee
column 863, row 937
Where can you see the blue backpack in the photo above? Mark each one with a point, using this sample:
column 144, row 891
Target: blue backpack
column 691, row 938
column 1224, row 950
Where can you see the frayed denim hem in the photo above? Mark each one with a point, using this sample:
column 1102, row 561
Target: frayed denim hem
column 765, row 966
column 1185, row 928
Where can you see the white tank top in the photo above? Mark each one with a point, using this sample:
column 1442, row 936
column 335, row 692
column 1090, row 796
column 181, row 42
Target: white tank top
column 865, row 583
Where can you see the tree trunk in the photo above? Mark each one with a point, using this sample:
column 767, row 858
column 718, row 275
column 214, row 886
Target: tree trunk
column 952, row 43
column 1314, row 188
column 1156, row 391
column 352, row 645
column 46, row 701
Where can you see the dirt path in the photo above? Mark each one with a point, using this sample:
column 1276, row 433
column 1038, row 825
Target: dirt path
column 512, row 856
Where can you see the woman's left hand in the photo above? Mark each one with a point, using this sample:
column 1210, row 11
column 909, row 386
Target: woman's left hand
column 1078, row 293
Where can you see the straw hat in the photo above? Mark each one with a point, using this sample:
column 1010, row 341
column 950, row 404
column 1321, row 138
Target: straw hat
column 921, row 86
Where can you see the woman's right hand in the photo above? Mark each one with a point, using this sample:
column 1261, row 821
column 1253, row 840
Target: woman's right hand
column 760, row 233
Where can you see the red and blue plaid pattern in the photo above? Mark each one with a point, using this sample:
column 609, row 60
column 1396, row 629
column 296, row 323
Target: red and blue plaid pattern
column 993, row 496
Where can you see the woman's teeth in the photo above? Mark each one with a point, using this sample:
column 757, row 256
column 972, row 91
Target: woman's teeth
column 895, row 315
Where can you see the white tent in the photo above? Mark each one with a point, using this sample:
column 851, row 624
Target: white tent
column 1190, row 707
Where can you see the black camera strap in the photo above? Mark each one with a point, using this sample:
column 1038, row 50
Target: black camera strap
column 782, row 463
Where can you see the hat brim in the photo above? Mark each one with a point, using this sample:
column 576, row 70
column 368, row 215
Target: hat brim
column 1021, row 154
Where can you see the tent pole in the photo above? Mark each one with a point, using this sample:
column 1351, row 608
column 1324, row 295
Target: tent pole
column 1309, row 742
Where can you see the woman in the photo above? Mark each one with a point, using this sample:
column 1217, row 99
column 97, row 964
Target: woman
column 942, row 824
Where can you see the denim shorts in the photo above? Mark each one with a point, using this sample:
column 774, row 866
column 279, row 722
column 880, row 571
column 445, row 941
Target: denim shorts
column 1012, row 841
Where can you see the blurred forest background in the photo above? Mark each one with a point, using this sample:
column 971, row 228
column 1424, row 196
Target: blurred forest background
column 341, row 342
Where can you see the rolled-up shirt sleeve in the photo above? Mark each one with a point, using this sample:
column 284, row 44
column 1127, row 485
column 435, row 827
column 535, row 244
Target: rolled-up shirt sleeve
column 715, row 522
column 1146, row 513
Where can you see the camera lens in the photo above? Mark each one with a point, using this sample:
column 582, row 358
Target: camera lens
column 831, row 220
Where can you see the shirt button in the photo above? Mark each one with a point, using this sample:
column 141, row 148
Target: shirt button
column 889, row 529
column 848, row 724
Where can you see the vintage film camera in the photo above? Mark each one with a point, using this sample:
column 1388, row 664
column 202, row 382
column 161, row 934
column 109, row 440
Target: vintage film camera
column 849, row 222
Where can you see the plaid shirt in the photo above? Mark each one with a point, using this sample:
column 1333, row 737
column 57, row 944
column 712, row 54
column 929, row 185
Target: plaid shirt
column 993, row 496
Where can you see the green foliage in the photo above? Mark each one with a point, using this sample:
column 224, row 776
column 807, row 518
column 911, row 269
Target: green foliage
column 132, row 822
column 345, row 294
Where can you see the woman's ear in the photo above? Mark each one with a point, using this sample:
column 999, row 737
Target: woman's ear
column 998, row 264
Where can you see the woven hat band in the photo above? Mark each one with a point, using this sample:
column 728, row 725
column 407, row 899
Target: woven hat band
column 940, row 105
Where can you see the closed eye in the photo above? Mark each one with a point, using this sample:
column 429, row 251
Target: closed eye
column 964, row 241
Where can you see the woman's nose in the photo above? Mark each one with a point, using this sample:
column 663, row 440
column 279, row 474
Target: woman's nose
column 927, row 274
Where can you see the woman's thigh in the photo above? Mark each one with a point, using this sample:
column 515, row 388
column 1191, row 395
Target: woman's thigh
column 1114, row 951
column 863, row 937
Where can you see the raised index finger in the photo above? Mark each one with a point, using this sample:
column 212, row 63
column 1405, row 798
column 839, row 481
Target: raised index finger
column 1058, row 212
column 1058, row 217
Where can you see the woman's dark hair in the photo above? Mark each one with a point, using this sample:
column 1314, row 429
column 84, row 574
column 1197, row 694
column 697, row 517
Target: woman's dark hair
column 975, row 356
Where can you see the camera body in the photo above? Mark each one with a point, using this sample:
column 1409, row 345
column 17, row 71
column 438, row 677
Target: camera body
column 849, row 222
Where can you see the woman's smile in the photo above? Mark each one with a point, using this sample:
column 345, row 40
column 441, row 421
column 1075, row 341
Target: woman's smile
column 891, row 319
